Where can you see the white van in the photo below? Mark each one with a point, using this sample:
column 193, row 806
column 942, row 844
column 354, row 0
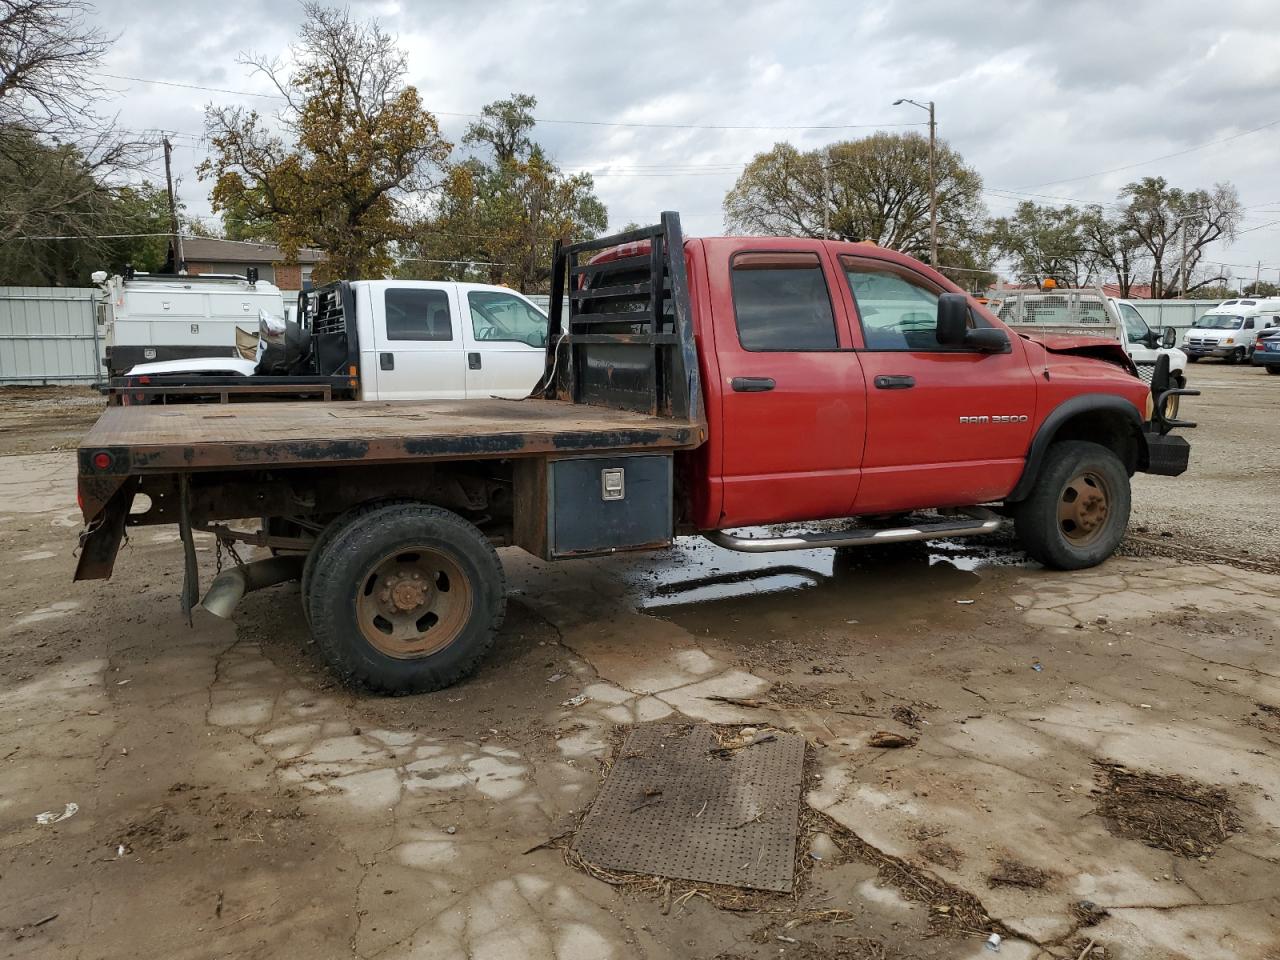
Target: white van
column 160, row 317
column 1231, row 329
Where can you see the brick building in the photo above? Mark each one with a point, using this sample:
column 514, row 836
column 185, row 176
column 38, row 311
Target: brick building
column 207, row 255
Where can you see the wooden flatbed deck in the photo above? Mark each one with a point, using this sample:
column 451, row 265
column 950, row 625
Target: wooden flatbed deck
column 182, row 437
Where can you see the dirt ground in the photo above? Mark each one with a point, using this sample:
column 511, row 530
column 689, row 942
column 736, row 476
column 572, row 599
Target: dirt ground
column 1094, row 770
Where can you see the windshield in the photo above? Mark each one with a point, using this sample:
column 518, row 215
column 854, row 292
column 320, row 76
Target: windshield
column 1218, row 321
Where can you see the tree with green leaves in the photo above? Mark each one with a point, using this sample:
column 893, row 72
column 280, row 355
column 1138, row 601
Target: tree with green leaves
column 876, row 188
column 63, row 219
column 500, row 209
column 1044, row 242
column 1166, row 219
column 360, row 148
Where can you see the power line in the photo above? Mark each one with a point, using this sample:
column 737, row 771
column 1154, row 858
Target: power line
column 1167, row 156
column 588, row 123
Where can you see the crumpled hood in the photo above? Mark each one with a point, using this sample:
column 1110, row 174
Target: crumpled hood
column 1099, row 348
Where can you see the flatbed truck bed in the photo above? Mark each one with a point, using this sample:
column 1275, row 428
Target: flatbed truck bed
column 165, row 438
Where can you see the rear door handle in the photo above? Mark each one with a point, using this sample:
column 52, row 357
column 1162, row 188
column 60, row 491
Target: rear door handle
column 752, row 384
column 473, row 361
column 387, row 361
column 895, row 382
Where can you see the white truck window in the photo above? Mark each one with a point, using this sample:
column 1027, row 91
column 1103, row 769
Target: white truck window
column 418, row 314
column 502, row 316
column 1135, row 327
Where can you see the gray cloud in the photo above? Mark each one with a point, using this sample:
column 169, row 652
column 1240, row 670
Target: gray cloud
column 1030, row 93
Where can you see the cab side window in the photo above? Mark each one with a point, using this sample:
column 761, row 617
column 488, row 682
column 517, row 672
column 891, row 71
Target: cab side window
column 781, row 302
column 1135, row 328
column 898, row 310
column 504, row 316
column 414, row 314
column 1248, row 324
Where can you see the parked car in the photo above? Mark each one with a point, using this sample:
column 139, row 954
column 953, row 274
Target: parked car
column 374, row 340
column 691, row 387
column 1230, row 329
column 1266, row 351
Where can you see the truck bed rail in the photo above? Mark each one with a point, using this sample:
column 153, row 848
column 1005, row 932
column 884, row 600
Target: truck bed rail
column 621, row 331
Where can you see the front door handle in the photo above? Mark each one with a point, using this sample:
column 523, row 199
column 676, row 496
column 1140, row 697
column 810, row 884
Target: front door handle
column 752, row 384
column 387, row 361
column 473, row 361
column 895, row 382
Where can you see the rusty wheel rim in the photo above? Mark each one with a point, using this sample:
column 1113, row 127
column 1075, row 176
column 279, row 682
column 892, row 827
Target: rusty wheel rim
column 1083, row 508
column 413, row 602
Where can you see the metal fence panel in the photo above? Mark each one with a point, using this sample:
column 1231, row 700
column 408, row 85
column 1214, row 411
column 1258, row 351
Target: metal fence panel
column 49, row 335
column 1179, row 314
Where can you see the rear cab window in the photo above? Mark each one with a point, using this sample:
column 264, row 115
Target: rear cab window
column 415, row 314
column 781, row 303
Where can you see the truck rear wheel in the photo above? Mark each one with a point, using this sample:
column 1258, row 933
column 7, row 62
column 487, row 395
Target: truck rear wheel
column 406, row 598
column 1079, row 508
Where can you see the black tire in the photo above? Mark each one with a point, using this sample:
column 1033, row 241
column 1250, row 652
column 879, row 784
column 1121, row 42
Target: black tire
column 1074, row 474
column 350, row 591
column 331, row 530
column 1235, row 356
column 1192, row 358
column 1273, row 369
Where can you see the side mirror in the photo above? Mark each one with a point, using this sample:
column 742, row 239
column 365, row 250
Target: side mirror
column 987, row 339
column 1170, row 338
column 953, row 319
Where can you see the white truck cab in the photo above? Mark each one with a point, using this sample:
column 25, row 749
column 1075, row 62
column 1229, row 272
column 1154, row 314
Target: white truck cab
column 413, row 340
column 423, row 339
column 1230, row 330
column 1089, row 312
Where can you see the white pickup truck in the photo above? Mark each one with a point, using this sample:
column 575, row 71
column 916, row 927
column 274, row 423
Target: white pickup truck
column 373, row 340
column 1088, row 311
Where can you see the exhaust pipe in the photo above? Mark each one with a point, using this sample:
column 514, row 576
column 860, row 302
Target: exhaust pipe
column 980, row 520
column 231, row 585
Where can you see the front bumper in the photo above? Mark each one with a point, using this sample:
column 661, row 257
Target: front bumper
column 1207, row 351
column 1167, row 455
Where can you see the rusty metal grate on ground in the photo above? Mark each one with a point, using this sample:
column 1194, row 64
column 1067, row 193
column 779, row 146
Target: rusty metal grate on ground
column 671, row 807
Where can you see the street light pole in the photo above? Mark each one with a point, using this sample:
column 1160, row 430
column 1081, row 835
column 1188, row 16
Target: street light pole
column 933, row 176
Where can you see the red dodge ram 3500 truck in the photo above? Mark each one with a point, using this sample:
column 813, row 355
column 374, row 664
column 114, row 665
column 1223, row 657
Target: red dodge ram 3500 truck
column 691, row 386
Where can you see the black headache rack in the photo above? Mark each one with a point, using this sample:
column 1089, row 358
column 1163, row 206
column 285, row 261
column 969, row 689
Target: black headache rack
column 329, row 314
column 626, row 338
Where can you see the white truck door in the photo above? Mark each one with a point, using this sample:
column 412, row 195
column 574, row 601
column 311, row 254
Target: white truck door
column 1137, row 335
column 418, row 342
column 506, row 339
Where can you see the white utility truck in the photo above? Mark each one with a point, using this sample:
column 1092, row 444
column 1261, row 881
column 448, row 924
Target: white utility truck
column 1230, row 330
column 1087, row 311
column 148, row 317
column 371, row 340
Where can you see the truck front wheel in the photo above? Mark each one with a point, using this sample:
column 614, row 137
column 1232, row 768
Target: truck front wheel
column 406, row 598
column 1079, row 508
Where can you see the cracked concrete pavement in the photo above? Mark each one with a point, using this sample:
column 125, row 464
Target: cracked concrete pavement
column 234, row 801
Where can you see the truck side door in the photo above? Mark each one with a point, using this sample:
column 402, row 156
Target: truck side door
column 505, row 337
column 791, row 393
column 946, row 426
column 1137, row 335
column 418, row 342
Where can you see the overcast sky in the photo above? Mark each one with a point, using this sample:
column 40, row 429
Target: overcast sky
column 1041, row 97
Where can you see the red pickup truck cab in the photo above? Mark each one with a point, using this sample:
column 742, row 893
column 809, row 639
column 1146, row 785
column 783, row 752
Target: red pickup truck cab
column 693, row 386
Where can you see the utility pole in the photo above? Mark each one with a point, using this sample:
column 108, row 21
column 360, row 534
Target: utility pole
column 933, row 190
column 1257, row 279
column 178, row 258
column 933, row 177
column 826, row 196
column 1182, row 265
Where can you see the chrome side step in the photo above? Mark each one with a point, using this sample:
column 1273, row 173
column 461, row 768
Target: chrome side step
column 978, row 520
